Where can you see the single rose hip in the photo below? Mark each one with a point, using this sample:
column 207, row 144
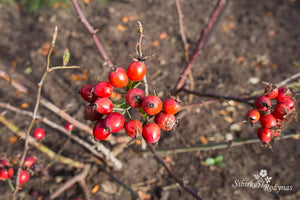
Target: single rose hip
column 268, row 121
column 136, row 70
column 118, row 77
column 281, row 110
column 100, row 132
column 38, row 133
column 103, row 89
column 86, row 92
column 171, row 106
column 133, row 128
column 289, row 103
column 103, row 105
column 262, row 103
column 253, row 116
column 134, row 97
column 29, row 161
column 151, row 133
column 264, row 134
column 91, row 113
column 69, row 126
column 284, row 94
column 165, row 121
column 152, row 105
column 114, row 121
column 24, row 177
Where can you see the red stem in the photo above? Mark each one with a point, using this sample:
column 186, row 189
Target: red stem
column 173, row 175
column 93, row 32
column 213, row 18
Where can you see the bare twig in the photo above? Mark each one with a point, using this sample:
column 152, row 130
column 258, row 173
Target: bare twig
column 36, row 107
column 221, row 97
column 51, row 154
column 185, row 46
column 200, row 44
column 220, row 145
column 181, row 30
column 71, row 182
column 93, row 32
column 173, row 175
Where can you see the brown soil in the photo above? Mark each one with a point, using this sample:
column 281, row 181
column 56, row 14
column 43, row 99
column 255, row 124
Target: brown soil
column 255, row 39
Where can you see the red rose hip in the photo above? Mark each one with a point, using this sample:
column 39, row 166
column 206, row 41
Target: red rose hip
column 253, row 116
column 262, row 103
column 24, row 177
column 133, row 128
column 268, row 121
column 86, row 92
column 114, row 121
column 134, row 97
column 100, row 132
column 152, row 105
column 103, row 89
column 118, row 77
column 151, row 133
column 103, row 106
column 38, row 133
column 264, row 134
column 136, row 70
column 171, row 106
column 165, row 121
column 29, row 161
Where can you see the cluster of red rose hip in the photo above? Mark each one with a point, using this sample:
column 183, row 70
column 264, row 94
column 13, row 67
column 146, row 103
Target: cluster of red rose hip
column 103, row 110
column 272, row 117
column 7, row 171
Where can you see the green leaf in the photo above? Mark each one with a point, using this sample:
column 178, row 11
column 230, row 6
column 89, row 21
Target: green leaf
column 221, row 164
column 209, row 161
column 66, row 57
column 218, row 159
column 155, row 93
